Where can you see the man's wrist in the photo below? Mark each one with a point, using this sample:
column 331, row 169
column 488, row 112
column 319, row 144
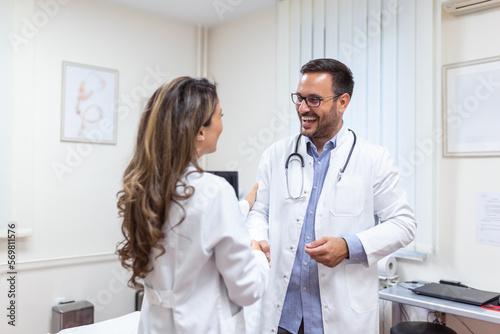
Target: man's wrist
column 347, row 248
column 355, row 248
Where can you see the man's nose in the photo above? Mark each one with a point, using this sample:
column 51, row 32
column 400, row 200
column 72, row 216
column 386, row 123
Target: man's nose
column 303, row 107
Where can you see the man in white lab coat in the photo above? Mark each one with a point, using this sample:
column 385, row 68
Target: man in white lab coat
column 327, row 218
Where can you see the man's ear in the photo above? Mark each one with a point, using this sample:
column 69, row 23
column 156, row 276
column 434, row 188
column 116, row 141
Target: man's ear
column 343, row 102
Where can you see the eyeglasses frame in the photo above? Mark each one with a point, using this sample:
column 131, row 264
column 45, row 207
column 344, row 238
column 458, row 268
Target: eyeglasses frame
column 304, row 98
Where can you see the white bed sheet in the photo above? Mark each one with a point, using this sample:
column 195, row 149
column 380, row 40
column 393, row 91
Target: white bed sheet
column 127, row 324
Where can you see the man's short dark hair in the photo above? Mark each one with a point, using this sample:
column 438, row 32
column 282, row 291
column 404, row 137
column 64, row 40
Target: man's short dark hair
column 342, row 79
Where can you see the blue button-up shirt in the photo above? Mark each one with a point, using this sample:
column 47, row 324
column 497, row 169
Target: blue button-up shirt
column 303, row 300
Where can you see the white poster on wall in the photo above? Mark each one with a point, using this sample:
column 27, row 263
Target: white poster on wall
column 471, row 103
column 488, row 218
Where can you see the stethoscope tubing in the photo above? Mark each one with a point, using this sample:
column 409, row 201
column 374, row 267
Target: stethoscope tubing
column 301, row 158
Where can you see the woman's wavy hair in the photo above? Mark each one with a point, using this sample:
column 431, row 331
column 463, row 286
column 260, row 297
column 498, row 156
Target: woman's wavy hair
column 165, row 147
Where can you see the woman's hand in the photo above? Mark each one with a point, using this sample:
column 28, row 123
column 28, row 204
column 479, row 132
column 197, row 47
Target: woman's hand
column 252, row 195
column 255, row 245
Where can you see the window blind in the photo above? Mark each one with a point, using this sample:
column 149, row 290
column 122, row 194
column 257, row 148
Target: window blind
column 390, row 46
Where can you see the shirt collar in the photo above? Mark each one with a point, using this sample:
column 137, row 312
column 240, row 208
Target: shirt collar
column 329, row 145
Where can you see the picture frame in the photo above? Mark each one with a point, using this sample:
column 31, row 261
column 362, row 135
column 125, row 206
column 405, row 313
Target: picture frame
column 471, row 108
column 89, row 103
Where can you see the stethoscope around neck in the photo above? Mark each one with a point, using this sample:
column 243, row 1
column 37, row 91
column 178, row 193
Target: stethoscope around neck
column 301, row 158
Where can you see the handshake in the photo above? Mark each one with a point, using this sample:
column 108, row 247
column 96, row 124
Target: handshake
column 262, row 246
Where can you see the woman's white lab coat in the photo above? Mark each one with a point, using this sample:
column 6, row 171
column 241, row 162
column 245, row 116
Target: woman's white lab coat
column 208, row 270
column 367, row 202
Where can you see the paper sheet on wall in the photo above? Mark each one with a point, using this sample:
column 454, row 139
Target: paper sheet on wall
column 488, row 218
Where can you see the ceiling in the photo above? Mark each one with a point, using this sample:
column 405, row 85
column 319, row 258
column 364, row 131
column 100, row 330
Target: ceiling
column 207, row 13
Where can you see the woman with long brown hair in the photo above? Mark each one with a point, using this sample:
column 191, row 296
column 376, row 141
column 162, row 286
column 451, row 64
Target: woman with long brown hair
column 185, row 238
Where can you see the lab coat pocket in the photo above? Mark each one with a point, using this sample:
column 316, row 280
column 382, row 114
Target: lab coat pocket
column 347, row 197
column 234, row 324
column 362, row 288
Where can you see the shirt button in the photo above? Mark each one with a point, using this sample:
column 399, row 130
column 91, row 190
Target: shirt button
column 319, row 162
column 308, row 238
column 325, row 306
column 310, row 212
column 304, row 288
column 315, row 187
column 357, row 259
column 305, row 263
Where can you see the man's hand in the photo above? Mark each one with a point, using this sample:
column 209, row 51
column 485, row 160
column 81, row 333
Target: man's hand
column 328, row 251
column 263, row 246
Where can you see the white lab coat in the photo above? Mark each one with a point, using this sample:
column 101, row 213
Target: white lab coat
column 368, row 202
column 208, row 270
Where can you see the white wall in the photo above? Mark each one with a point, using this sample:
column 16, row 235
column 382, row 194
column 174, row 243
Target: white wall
column 242, row 59
column 459, row 256
column 74, row 213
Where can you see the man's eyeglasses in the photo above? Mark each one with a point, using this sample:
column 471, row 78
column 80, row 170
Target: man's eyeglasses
column 311, row 101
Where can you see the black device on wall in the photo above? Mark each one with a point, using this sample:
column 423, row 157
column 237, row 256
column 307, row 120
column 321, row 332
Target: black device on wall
column 231, row 177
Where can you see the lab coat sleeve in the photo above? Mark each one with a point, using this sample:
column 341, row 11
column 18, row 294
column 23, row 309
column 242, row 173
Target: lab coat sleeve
column 397, row 223
column 244, row 271
column 244, row 208
column 258, row 218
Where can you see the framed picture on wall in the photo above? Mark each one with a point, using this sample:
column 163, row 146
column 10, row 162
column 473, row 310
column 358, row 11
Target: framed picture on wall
column 89, row 102
column 471, row 108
